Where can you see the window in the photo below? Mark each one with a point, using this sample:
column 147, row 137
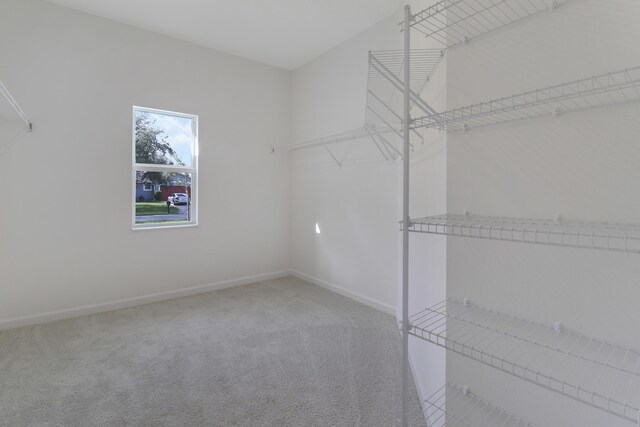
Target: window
column 165, row 164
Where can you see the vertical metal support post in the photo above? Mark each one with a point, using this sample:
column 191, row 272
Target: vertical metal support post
column 405, row 218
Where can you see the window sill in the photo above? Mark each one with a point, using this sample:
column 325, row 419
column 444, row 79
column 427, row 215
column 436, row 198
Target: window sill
column 162, row 227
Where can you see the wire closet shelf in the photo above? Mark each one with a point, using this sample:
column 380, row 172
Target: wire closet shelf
column 455, row 406
column 615, row 237
column 386, row 69
column 600, row 374
column 605, row 89
column 453, row 22
column 383, row 110
column 385, row 92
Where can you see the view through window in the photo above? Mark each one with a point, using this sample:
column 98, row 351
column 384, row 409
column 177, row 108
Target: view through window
column 164, row 168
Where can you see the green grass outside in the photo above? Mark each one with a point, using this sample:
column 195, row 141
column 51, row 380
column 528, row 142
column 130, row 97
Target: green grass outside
column 154, row 208
column 161, row 222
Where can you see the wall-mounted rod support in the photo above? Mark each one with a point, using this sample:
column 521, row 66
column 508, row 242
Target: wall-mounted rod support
column 14, row 104
column 335, row 159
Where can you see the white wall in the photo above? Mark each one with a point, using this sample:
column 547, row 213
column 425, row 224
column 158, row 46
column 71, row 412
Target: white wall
column 358, row 205
column 65, row 219
column 428, row 254
column 582, row 165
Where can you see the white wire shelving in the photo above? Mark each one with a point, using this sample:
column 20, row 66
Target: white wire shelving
column 385, row 90
column 453, row 22
column 617, row 237
column 605, row 89
column 375, row 133
column 385, row 76
column 449, row 22
column 456, row 406
column 423, row 63
column 597, row 373
column 383, row 120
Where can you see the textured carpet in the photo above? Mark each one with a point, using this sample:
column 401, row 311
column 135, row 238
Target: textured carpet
column 275, row 353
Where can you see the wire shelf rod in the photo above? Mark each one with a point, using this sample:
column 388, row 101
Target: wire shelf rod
column 328, row 139
column 595, row 372
column 605, row 89
column 453, row 405
column 576, row 234
column 359, row 133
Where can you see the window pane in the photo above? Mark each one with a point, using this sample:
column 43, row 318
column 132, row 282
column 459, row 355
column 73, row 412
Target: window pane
column 171, row 204
column 163, row 139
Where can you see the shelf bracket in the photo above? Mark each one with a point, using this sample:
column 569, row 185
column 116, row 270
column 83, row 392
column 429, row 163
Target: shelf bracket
column 16, row 107
column 386, row 144
column 390, row 146
column 335, row 159
column 375, row 142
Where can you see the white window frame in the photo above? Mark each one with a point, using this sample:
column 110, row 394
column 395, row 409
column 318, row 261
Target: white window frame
column 193, row 170
column 147, row 187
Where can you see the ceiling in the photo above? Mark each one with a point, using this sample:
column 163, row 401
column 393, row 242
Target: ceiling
column 283, row 33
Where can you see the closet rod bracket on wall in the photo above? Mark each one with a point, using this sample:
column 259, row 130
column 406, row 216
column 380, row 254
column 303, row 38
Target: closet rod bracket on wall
column 16, row 107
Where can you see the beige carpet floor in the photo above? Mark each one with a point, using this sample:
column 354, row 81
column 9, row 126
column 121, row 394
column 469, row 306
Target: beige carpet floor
column 276, row 353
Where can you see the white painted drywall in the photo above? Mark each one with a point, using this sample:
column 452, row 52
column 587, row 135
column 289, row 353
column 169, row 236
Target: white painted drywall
column 428, row 255
column 358, row 205
column 65, row 216
column 582, row 165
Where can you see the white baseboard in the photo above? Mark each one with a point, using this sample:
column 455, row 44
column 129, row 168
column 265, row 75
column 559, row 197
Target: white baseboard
column 386, row 308
column 52, row 316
